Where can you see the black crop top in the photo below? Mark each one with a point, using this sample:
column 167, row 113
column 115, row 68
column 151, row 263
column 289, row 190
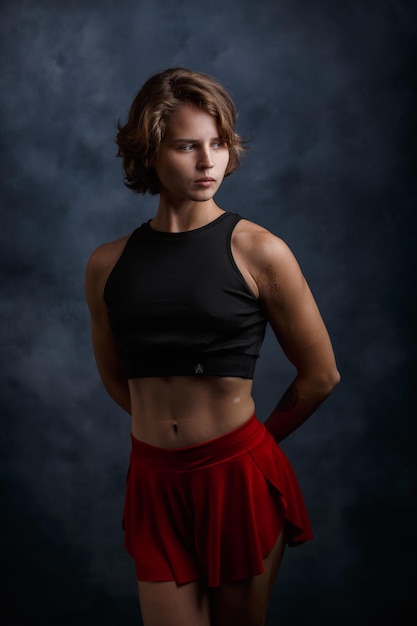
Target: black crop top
column 179, row 306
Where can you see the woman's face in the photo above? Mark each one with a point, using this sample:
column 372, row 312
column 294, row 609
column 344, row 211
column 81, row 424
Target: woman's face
column 192, row 158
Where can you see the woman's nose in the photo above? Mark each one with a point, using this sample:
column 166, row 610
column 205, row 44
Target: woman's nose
column 205, row 159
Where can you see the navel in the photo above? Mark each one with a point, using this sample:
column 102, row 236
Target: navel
column 175, row 428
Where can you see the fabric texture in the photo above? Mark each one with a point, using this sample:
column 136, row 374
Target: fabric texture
column 212, row 511
column 179, row 306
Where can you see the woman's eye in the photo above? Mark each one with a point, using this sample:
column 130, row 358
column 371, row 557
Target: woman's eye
column 187, row 148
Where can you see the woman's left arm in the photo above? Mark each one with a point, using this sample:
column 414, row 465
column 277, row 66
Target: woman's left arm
column 296, row 321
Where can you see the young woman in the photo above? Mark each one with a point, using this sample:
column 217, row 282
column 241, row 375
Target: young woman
column 178, row 314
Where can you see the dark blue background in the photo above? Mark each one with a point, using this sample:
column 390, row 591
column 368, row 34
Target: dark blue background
column 326, row 93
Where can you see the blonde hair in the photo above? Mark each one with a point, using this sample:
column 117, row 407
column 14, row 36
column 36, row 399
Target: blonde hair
column 162, row 94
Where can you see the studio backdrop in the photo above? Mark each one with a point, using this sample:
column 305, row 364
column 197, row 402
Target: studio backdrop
column 326, row 98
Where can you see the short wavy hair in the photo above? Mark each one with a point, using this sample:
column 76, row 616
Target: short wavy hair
column 162, row 94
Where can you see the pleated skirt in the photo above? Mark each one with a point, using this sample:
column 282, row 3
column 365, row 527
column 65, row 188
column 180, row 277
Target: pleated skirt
column 211, row 511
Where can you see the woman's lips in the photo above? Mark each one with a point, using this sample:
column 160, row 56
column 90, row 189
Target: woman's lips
column 206, row 181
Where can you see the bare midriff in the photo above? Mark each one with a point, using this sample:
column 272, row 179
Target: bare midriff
column 179, row 411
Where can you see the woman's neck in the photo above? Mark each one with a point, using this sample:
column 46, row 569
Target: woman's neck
column 186, row 217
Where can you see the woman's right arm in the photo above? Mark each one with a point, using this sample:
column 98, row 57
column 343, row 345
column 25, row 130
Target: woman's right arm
column 109, row 365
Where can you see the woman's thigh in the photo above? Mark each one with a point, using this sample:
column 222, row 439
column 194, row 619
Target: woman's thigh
column 245, row 602
column 167, row 604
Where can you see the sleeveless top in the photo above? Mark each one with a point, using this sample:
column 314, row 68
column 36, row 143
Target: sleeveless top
column 179, row 306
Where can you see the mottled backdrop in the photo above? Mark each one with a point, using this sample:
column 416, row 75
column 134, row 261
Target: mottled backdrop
column 326, row 94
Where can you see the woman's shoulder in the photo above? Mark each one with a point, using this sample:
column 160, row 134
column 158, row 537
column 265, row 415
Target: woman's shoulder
column 258, row 241
column 99, row 265
column 269, row 260
column 107, row 253
column 101, row 262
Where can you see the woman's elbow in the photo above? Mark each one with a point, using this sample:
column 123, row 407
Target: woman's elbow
column 330, row 379
column 322, row 381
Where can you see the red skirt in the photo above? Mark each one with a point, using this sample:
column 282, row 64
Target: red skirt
column 211, row 511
